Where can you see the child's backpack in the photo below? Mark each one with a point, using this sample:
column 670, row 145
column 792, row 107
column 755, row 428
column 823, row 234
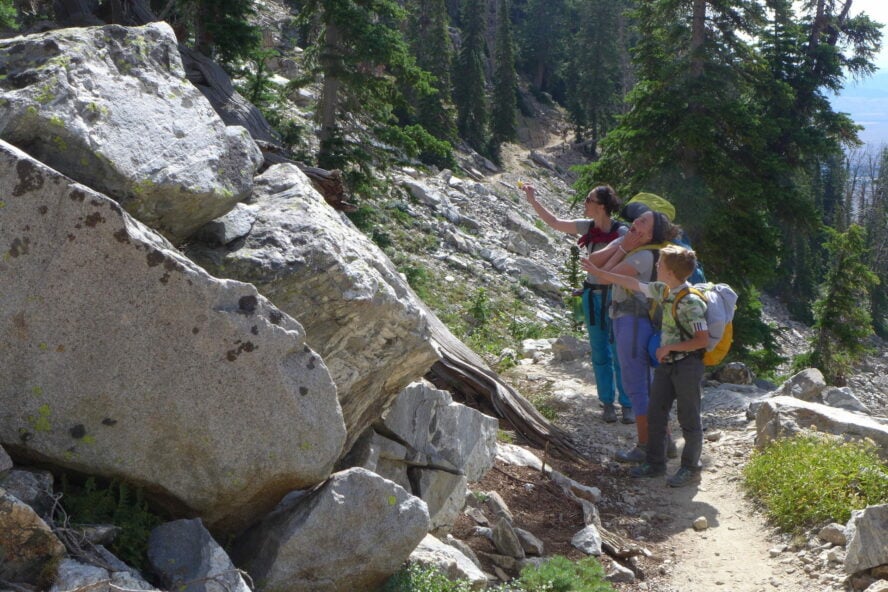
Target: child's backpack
column 721, row 301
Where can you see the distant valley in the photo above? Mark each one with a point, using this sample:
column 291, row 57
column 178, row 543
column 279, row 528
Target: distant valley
column 867, row 103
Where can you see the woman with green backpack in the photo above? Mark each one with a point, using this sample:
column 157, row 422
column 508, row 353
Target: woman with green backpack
column 631, row 315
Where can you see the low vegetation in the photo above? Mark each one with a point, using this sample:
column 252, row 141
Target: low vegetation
column 814, row 479
column 558, row 574
column 114, row 503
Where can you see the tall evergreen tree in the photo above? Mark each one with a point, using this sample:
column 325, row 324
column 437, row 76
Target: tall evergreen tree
column 875, row 218
column 540, row 39
column 593, row 68
column 222, row 29
column 711, row 128
column 469, row 88
column 505, row 81
column 842, row 319
column 807, row 59
column 364, row 61
column 430, row 43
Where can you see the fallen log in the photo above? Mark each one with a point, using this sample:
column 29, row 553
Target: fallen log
column 461, row 370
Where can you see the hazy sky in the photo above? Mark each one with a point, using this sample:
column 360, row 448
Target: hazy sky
column 867, row 100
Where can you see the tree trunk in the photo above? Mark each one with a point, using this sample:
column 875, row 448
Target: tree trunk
column 132, row 12
column 77, row 13
column 698, row 37
column 216, row 86
column 329, row 102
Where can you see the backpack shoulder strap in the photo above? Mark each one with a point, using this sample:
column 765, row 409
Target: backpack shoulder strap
column 648, row 247
column 678, row 298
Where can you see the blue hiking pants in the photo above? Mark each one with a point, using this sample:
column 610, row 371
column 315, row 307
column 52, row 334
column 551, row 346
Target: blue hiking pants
column 604, row 352
column 631, row 335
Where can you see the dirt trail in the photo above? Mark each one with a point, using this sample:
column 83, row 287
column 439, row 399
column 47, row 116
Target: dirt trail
column 732, row 554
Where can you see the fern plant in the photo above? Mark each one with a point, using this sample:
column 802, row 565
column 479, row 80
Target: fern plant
column 116, row 503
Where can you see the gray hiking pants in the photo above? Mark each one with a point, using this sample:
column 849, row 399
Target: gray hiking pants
column 681, row 382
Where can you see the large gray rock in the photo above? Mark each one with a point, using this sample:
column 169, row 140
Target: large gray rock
column 807, row 385
column 844, row 398
column 450, row 561
column 781, row 417
column 28, row 548
column 732, row 396
column 531, row 235
column 441, row 432
column 358, row 312
column 5, row 462
column 432, row 447
column 34, row 487
column 867, row 533
column 734, row 373
column 186, row 558
column 111, row 108
column 122, row 358
column 351, row 533
column 74, row 575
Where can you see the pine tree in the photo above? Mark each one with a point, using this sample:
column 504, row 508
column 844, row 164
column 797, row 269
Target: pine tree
column 430, row 44
column 593, row 67
column 842, row 319
column 505, row 81
column 540, row 38
column 364, row 62
column 712, row 128
column 222, row 29
column 875, row 218
column 469, row 81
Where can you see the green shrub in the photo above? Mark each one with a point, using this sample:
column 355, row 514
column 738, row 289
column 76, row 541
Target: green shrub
column 116, row 504
column 419, row 578
column 8, row 16
column 481, row 309
column 365, row 217
column 560, row 574
column 812, row 479
column 418, row 278
column 520, row 330
column 505, row 436
column 543, row 404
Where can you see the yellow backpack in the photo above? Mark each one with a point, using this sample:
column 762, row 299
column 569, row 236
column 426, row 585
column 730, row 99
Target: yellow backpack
column 721, row 302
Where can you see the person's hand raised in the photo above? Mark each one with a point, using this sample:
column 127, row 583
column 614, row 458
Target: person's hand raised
column 529, row 191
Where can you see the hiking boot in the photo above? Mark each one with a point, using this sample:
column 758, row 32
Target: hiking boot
column 647, row 470
column 628, row 415
column 683, row 476
column 634, row 455
column 671, row 448
column 609, row 414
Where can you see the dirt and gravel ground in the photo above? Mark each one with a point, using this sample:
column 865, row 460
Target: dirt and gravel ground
column 732, row 554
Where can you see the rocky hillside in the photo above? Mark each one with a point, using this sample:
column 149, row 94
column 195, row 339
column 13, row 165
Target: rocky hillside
column 186, row 315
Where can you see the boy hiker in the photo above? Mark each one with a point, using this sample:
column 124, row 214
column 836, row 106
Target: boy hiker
column 679, row 375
